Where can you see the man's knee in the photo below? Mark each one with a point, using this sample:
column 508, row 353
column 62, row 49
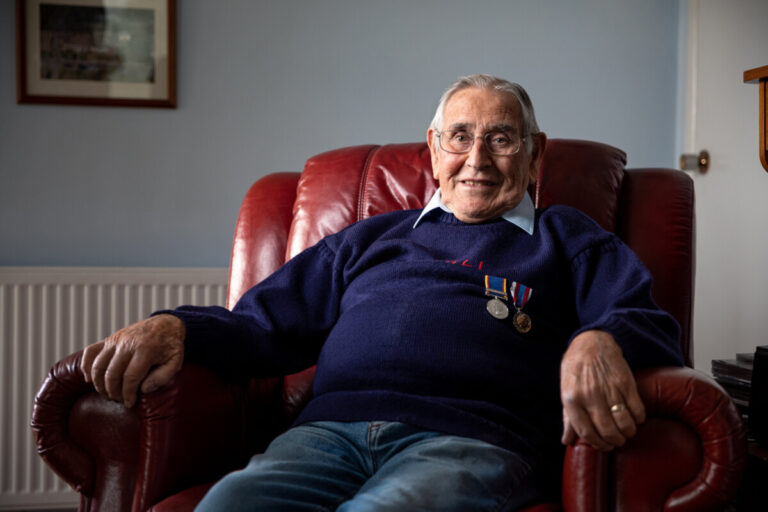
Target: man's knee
column 233, row 492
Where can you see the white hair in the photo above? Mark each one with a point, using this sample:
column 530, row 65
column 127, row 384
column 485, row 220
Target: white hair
column 489, row 82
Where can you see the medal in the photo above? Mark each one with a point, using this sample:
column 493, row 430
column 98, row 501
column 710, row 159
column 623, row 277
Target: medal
column 497, row 288
column 497, row 309
column 522, row 322
column 521, row 294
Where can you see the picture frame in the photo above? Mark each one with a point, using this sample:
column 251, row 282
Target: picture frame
column 96, row 52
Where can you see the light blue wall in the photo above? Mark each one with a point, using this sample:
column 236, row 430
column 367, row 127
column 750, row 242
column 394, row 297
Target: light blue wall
column 265, row 84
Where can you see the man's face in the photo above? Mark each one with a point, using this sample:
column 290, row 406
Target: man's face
column 478, row 186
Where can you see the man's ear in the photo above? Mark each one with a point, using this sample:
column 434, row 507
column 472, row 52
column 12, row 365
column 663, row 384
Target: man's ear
column 537, row 151
column 434, row 151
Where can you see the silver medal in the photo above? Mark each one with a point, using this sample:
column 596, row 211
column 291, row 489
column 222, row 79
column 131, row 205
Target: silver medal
column 497, row 309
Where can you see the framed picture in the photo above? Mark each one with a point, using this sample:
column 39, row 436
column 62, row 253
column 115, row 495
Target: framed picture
column 96, row 52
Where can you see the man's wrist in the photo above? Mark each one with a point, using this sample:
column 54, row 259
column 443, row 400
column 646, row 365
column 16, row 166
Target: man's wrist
column 171, row 325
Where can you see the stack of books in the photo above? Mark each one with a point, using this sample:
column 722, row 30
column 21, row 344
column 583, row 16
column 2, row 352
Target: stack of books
column 735, row 375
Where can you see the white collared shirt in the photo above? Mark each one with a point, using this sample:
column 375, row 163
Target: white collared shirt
column 523, row 215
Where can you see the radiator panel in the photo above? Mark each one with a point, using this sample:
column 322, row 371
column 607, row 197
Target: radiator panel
column 48, row 313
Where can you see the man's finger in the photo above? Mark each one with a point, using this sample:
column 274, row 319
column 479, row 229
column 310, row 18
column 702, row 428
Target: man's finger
column 133, row 375
column 625, row 404
column 99, row 367
column 86, row 362
column 160, row 376
column 625, row 422
column 581, row 422
column 611, row 425
column 635, row 405
column 114, row 375
column 606, row 426
column 569, row 435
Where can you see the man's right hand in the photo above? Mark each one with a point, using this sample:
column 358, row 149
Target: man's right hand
column 147, row 354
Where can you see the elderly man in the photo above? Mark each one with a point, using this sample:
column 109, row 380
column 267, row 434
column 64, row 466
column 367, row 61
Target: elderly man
column 439, row 386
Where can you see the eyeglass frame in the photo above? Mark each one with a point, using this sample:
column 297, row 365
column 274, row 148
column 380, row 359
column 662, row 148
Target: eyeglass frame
column 485, row 142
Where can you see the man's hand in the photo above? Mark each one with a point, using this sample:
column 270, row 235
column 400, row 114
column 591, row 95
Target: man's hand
column 599, row 394
column 148, row 353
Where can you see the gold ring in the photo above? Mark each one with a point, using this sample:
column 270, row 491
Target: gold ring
column 617, row 408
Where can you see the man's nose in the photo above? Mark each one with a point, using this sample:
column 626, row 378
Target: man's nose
column 479, row 157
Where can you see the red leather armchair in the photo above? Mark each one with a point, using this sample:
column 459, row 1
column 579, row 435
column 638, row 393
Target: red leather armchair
column 163, row 453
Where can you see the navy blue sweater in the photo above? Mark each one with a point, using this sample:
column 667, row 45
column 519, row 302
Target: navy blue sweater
column 396, row 320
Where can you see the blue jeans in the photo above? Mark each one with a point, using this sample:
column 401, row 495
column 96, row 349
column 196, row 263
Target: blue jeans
column 375, row 466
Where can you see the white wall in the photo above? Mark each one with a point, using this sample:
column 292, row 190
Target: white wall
column 731, row 301
column 263, row 85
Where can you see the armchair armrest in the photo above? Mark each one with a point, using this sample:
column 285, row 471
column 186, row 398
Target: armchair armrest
column 689, row 455
column 50, row 424
column 195, row 429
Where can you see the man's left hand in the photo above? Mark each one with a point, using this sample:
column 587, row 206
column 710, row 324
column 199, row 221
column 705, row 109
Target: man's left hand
column 600, row 400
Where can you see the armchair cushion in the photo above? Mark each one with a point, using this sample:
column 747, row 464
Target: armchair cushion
column 568, row 175
column 382, row 179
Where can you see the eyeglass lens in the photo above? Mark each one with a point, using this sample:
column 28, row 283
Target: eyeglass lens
column 498, row 143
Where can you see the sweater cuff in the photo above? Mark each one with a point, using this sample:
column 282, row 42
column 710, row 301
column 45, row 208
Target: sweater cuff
column 640, row 349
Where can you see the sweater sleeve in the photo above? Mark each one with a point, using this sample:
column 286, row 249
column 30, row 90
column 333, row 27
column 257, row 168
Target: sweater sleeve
column 613, row 293
column 277, row 327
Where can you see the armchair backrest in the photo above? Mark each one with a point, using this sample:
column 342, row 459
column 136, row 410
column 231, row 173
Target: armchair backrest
column 650, row 209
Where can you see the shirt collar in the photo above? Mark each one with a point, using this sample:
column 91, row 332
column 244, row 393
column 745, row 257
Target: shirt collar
column 522, row 215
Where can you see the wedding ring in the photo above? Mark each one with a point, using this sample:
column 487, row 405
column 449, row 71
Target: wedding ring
column 617, row 408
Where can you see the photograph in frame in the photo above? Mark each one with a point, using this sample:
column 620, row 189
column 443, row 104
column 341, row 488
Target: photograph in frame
column 96, row 52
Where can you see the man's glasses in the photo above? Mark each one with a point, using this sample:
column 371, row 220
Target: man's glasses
column 497, row 143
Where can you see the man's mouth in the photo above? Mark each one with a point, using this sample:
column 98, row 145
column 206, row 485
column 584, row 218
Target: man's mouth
column 477, row 183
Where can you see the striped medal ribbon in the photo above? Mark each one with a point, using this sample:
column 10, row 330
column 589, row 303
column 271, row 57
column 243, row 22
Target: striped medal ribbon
column 496, row 287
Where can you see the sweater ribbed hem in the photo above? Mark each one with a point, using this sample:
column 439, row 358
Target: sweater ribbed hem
column 429, row 413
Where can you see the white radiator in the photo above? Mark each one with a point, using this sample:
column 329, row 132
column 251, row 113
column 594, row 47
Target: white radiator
column 48, row 313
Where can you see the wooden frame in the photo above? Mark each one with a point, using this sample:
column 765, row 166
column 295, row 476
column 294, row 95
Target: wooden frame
column 760, row 76
column 96, row 52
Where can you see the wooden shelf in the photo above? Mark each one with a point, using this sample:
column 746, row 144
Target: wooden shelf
column 760, row 76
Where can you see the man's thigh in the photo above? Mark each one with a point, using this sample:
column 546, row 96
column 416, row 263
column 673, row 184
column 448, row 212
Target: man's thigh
column 448, row 473
column 306, row 468
column 375, row 466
